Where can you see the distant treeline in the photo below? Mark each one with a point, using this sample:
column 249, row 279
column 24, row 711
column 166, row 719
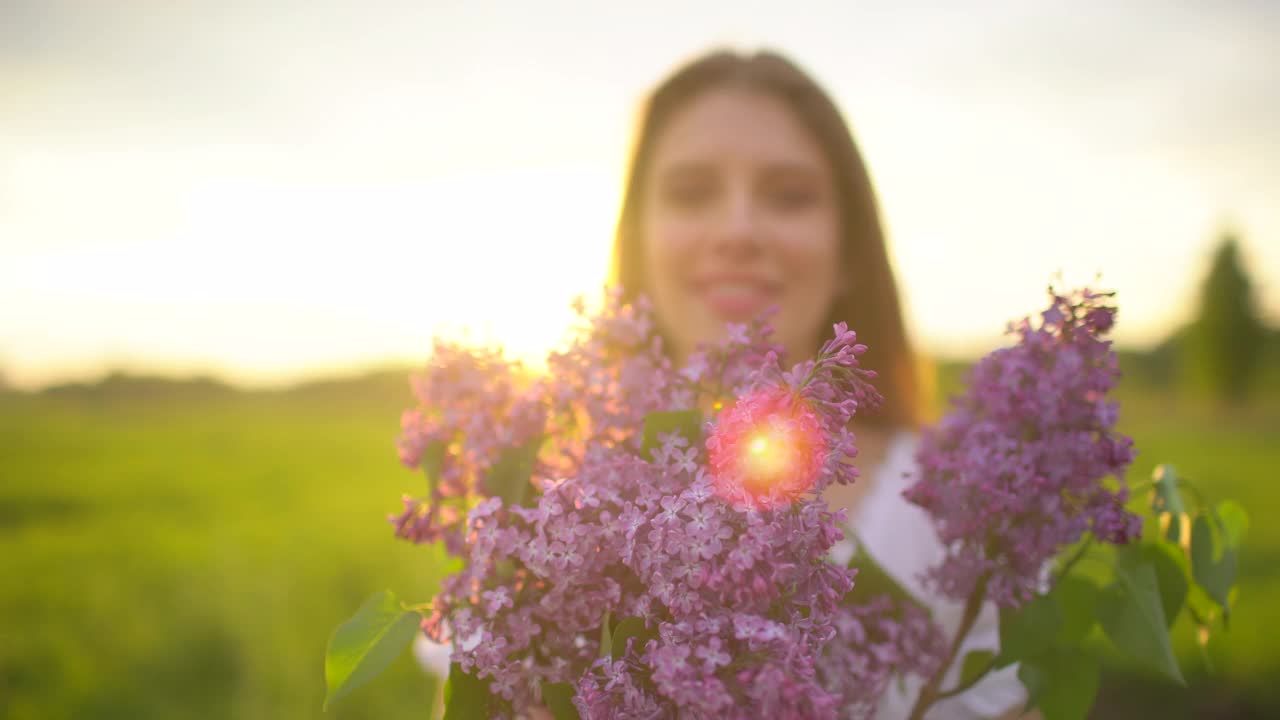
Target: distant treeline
column 1226, row 352
column 1163, row 367
column 388, row 386
column 1169, row 364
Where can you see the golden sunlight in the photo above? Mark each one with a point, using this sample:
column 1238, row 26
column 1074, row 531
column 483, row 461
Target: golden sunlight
column 770, row 454
column 265, row 279
column 767, row 448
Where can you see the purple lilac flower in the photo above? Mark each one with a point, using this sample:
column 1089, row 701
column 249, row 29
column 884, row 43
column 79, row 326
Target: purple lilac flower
column 1015, row 471
column 474, row 404
column 874, row 642
column 611, row 374
column 767, row 449
column 738, row 596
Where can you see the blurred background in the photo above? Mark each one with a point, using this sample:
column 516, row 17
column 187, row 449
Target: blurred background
column 228, row 230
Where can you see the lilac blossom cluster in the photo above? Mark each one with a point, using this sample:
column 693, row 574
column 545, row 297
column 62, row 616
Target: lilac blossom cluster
column 875, row 641
column 460, row 395
column 601, row 386
column 1015, row 472
column 804, row 413
column 731, row 594
column 736, row 594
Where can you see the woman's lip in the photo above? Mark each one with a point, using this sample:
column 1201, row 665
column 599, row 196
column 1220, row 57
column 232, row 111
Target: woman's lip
column 736, row 301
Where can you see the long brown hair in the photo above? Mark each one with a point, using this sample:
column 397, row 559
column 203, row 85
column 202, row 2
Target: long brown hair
column 870, row 304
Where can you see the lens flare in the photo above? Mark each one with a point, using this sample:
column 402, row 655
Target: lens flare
column 768, row 448
column 769, row 455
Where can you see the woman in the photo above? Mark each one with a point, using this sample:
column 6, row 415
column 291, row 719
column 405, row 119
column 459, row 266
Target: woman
column 746, row 190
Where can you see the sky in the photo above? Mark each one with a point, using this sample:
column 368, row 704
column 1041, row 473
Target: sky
column 264, row 191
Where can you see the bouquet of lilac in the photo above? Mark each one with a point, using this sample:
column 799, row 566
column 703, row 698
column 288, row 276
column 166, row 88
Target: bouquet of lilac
column 641, row 540
column 663, row 561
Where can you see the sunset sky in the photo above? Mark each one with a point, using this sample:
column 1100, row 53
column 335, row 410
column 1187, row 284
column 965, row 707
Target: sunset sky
column 268, row 190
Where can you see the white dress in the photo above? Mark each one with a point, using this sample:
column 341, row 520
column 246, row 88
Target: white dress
column 901, row 539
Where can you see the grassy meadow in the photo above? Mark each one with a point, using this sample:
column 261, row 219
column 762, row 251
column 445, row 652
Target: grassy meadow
column 183, row 551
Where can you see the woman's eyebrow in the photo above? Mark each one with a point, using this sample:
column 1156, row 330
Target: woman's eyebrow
column 683, row 170
column 790, row 169
column 781, row 169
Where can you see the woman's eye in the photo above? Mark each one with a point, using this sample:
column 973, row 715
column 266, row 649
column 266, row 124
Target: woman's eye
column 791, row 196
column 688, row 195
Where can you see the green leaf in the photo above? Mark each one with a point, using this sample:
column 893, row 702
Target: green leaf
column 1132, row 614
column 467, row 697
column 873, row 580
column 509, row 478
column 1078, row 603
column 558, row 697
column 1029, row 630
column 1213, row 562
column 1199, row 602
column 433, row 462
column 1167, row 499
column 632, row 627
column 366, row 644
column 976, row 663
column 1171, row 572
column 686, row 422
column 1235, row 521
column 1062, row 683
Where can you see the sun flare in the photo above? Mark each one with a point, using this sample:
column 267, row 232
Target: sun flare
column 769, row 448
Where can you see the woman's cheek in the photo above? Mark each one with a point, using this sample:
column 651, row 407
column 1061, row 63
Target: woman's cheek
column 810, row 263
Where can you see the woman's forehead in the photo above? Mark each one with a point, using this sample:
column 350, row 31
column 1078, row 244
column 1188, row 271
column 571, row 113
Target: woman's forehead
column 736, row 127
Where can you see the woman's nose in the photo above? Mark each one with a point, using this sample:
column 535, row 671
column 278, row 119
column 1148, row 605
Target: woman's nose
column 738, row 230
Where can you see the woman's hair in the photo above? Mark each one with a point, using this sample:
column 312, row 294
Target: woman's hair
column 870, row 302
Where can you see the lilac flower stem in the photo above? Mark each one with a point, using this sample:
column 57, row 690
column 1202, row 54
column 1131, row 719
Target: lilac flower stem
column 1075, row 558
column 931, row 692
column 965, row 685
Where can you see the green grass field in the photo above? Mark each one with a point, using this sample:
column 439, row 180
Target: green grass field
column 187, row 556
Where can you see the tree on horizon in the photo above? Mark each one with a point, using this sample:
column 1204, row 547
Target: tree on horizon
column 1227, row 337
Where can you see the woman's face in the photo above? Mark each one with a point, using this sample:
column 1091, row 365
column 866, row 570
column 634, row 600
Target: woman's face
column 740, row 214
